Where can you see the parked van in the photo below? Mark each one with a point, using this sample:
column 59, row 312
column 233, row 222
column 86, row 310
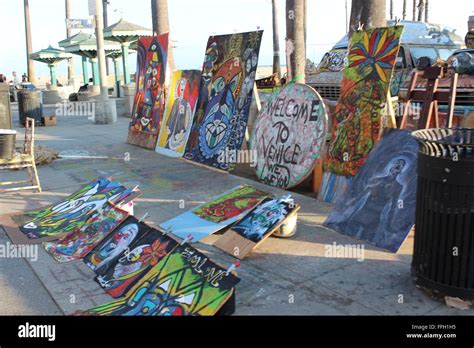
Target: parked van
column 419, row 39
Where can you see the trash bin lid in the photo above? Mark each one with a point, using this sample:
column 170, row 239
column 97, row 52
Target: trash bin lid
column 443, row 142
column 7, row 131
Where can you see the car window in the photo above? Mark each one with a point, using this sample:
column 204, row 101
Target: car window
column 445, row 53
column 418, row 52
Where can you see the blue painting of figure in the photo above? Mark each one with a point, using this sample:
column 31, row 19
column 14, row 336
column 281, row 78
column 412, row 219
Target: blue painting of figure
column 379, row 204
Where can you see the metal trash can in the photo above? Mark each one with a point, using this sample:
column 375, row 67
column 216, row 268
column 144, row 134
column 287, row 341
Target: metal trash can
column 30, row 105
column 443, row 255
column 5, row 111
column 7, row 143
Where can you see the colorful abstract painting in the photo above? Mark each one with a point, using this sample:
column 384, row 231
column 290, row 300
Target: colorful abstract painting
column 289, row 135
column 133, row 263
column 78, row 243
column 358, row 115
column 149, row 102
column 333, row 186
column 179, row 112
column 225, row 94
column 73, row 212
column 215, row 215
column 379, row 205
column 184, row 282
column 108, row 251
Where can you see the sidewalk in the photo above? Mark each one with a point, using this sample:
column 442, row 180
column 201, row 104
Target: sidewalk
column 283, row 276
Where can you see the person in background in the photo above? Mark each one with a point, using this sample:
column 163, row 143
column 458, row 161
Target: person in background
column 24, row 78
column 3, row 78
column 16, row 80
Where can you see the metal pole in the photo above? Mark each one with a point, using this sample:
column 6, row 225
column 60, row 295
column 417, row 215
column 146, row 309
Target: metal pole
column 126, row 68
column 99, row 33
column 117, row 75
column 70, row 61
column 29, row 46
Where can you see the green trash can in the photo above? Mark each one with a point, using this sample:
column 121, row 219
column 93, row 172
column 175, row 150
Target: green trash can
column 7, row 143
column 30, row 105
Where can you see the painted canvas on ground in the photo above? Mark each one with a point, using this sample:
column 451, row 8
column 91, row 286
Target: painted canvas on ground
column 225, row 95
column 379, row 205
column 289, row 135
column 74, row 211
column 184, row 282
column 78, row 243
column 256, row 226
column 107, row 252
column 179, row 112
column 358, row 116
column 133, row 263
column 149, row 102
column 215, row 215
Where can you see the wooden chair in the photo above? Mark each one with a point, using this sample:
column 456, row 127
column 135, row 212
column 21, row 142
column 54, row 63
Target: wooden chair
column 24, row 159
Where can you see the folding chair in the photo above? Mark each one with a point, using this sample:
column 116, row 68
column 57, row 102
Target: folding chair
column 25, row 159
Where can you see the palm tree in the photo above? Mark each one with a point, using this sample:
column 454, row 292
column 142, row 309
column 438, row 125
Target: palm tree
column 421, row 7
column 295, row 40
column 29, row 46
column 70, row 62
column 276, row 40
column 404, row 11
column 369, row 13
column 161, row 25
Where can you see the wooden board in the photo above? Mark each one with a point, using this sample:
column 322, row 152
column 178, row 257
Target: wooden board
column 238, row 246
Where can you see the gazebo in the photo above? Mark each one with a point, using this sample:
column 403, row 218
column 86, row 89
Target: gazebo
column 51, row 56
column 125, row 33
column 88, row 48
column 72, row 41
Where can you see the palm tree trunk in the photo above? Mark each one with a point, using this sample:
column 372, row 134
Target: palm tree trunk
column 369, row 13
column 391, row 9
column 414, row 10
column 295, row 45
column 421, row 7
column 70, row 61
column 161, row 25
column 404, row 11
column 276, row 39
column 426, row 11
column 29, row 47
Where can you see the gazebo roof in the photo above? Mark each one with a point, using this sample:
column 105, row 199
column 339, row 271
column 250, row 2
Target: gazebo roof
column 80, row 36
column 88, row 47
column 50, row 55
column 124, row 31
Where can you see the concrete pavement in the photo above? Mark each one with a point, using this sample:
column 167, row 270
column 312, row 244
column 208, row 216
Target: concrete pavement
column 283, row 276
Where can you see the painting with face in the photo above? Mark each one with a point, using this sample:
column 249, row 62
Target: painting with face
column 73, row 212
column 379, row 204
column 134, row 262
column 184, row 282
column 148, row 106
column 179, row 112
column 106, row 253
column 224, row 99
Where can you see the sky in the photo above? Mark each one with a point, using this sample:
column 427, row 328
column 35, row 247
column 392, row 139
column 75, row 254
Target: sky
column 192, row 22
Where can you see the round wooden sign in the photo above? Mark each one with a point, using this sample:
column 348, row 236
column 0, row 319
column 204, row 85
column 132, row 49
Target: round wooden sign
column 289, row 135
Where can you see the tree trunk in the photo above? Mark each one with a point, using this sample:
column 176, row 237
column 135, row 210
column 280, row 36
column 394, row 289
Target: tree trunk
column 105, row 18
column 70, row 61
column 426, row 11
column 421, row 7
column 404, row 10
column 369, row 13
column 276, row 39
column 414, row 10
column 295, row 45
column 161, row 25
column 29, row 47
column 391, row 9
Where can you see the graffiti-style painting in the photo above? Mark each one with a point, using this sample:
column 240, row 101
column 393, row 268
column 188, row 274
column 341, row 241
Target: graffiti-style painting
column 358, row 115
column 133, row 263
column 78, row 243
column 263, row 218
column 74, row 211
column 179, row 112
column 225, row 95
column 185, row 282
column 149, row 102
column 213, row 216
column 379, row 205
column 289, row 135
column 107, row 252
column 333, row 60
